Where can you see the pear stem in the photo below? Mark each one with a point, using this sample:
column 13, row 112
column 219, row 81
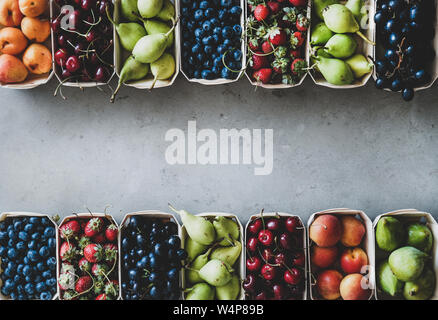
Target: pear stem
column 153, row 83
column 110, row 18
column 360, row 34
column 113, row 97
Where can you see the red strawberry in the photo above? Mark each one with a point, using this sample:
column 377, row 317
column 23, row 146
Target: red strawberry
column 99, row 238
column 102, row 296
column 302, row 23
column 83, row 284
column 93, row 252
column 298, row 67
column 295, row 54
column 93, row 227
column 277, row 36
column 253, row 44
column 259, row 61
column 99, row 269
column 70, row 229
column 111, row 233
column 297, row 39
column 274, row 6
column 84, row 265
column 263, row 75
column 110, row 252
column 67, row 252
column 267, row 47
column 261, row 12
column 298, row 3
column 112, row 288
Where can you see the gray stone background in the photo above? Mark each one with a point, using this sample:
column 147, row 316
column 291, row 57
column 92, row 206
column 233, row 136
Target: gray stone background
column 363, row 148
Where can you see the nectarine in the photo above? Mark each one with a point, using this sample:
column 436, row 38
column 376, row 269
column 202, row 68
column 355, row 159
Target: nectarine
column 326, row 230
column 323, row 257
column 352, row 260
column 37, row 59
column 355, row 287
column 328, row 283
column 32, row 8
column 353, row 231
column 12, row 41
column 12, row 70
column 35, row 29
column 10, row 14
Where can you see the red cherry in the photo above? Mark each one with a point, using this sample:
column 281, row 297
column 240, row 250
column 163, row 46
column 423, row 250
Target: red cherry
column 261, row 296
column 292, row 276
column 61, row 57
column 87, row 4
column 286, row 241
column 255, row 226
column 101, row 74
column 268, row 272
column 266, row 237
column 65, row 74
column 292, row 223
column 253, row 264
column 299, row 259
column 249, row 284
column 278, row 291
column 280, row 258
column 251, row 245
column 73, row 64
column 91, row 36
column 56, row 24
column 273, row 224
column 267, row 255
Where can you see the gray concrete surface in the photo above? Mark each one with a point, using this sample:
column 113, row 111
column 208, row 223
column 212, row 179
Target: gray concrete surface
column 363, row 148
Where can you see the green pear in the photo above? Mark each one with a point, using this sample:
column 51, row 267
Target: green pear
column 228, row 255
column 149, row 8
column 420, row 237
column 359, row 65
column 129, row 10
column 320, row 52
column 193, row 249
column 341, row 46
column 320, row 34
column 150, row 48
column 421, row 289
column 192, row 272
column 226, row 228
column 355, row 7
column 132, row 70
column 319, row 6
column 199, row 229
column 339, row 19
column 167, row 12
column 163, row 68
column 200, row 291
column 216, row 273
column 129, row 33
column 407, row 263
column 230, row 291
column 335, row 71
column 387, row 281
column 390, row 233
column 154, row 26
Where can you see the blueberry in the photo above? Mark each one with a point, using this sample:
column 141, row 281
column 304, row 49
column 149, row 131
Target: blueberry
column 226, row 3
column 5, row 291
column 237, row 30
column 20, row 289
column 12, row 235
column 29, row 288
column 38, row 278
column 51, row 263
column 196, row 48
column 34, row 220
column 11, row 243
column 221, row 49
column 394, row 39
column 227, row 32
column 51, row 243
column 396, row 85
column 9, row 284
column 225, row 73
column 36, row 236
column 214, row 23
column 12, row 253
column 10, row 228
column 421, row 76
column 44, row 251
column 9, row 273
column 33, row 255
column 3, row 251
column 173, row 274
column 133, row 222
column 197, row 74
column 408, row 94
column 237, row 55
column 3, row 235
column 182, row 254
column 203, row 4
column 18, row 225
column 391, row 55
column 2, row 225
column 174, row 242
column 133, row 274
column 216, row 70
column 155, row 293
column 18, row 278
column 40, row 287
column 51, row 282
column 206, row 26
column 199, row 14
column 200, row 56
column 13, row 296
column 209, row 13
column 49, row 232
column 46, row 296
column 207, row 40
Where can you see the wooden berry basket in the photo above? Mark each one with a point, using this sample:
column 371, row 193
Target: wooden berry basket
column 434, row 67
column 54, row 12
column 306, row 58
column 367, row 245
column 363, row 47
column 282, row 214
column 120, row 55
column 240, row 264
column 35, row 80
column 86, row 215
column 243, row 49
column 412, row 215
column 146, row 214
column 5, row 215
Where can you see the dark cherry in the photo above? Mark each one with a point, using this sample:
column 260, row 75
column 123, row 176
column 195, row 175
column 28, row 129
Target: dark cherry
column 261, row 296
column 255, row 226
column 266, row 237
column 249, row 284
column 91, row 35
column 251, row 245
column 292, row 276
column 298, row 259
column 292, row 223
column 61, row 57
column 280, row 258
column 87, row 4
column 286, row 241
column 273, row 224
column 65, row 74
column 268, row 272
column 56, row 24
column 101, row 74
column 80, row 48
column 62, row 41
column 102, row 7
column 278, row 291
column 253, row 264
column 73, row 64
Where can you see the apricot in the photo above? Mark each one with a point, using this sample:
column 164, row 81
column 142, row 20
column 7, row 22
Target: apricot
column 37, row 59
column 35, row 29
column 12, row 70
column 32, row 8
column 10, row 14
column 12, row 41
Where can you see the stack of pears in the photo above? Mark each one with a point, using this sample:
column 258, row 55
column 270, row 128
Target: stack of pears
column 334, row 42
column 146, row 34
column 404, row 251
column 213, row 249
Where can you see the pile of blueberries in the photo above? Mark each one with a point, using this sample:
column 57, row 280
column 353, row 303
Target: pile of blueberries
column 211, row 29
column 28, row 258
column 151, row 259
column 405, row 30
